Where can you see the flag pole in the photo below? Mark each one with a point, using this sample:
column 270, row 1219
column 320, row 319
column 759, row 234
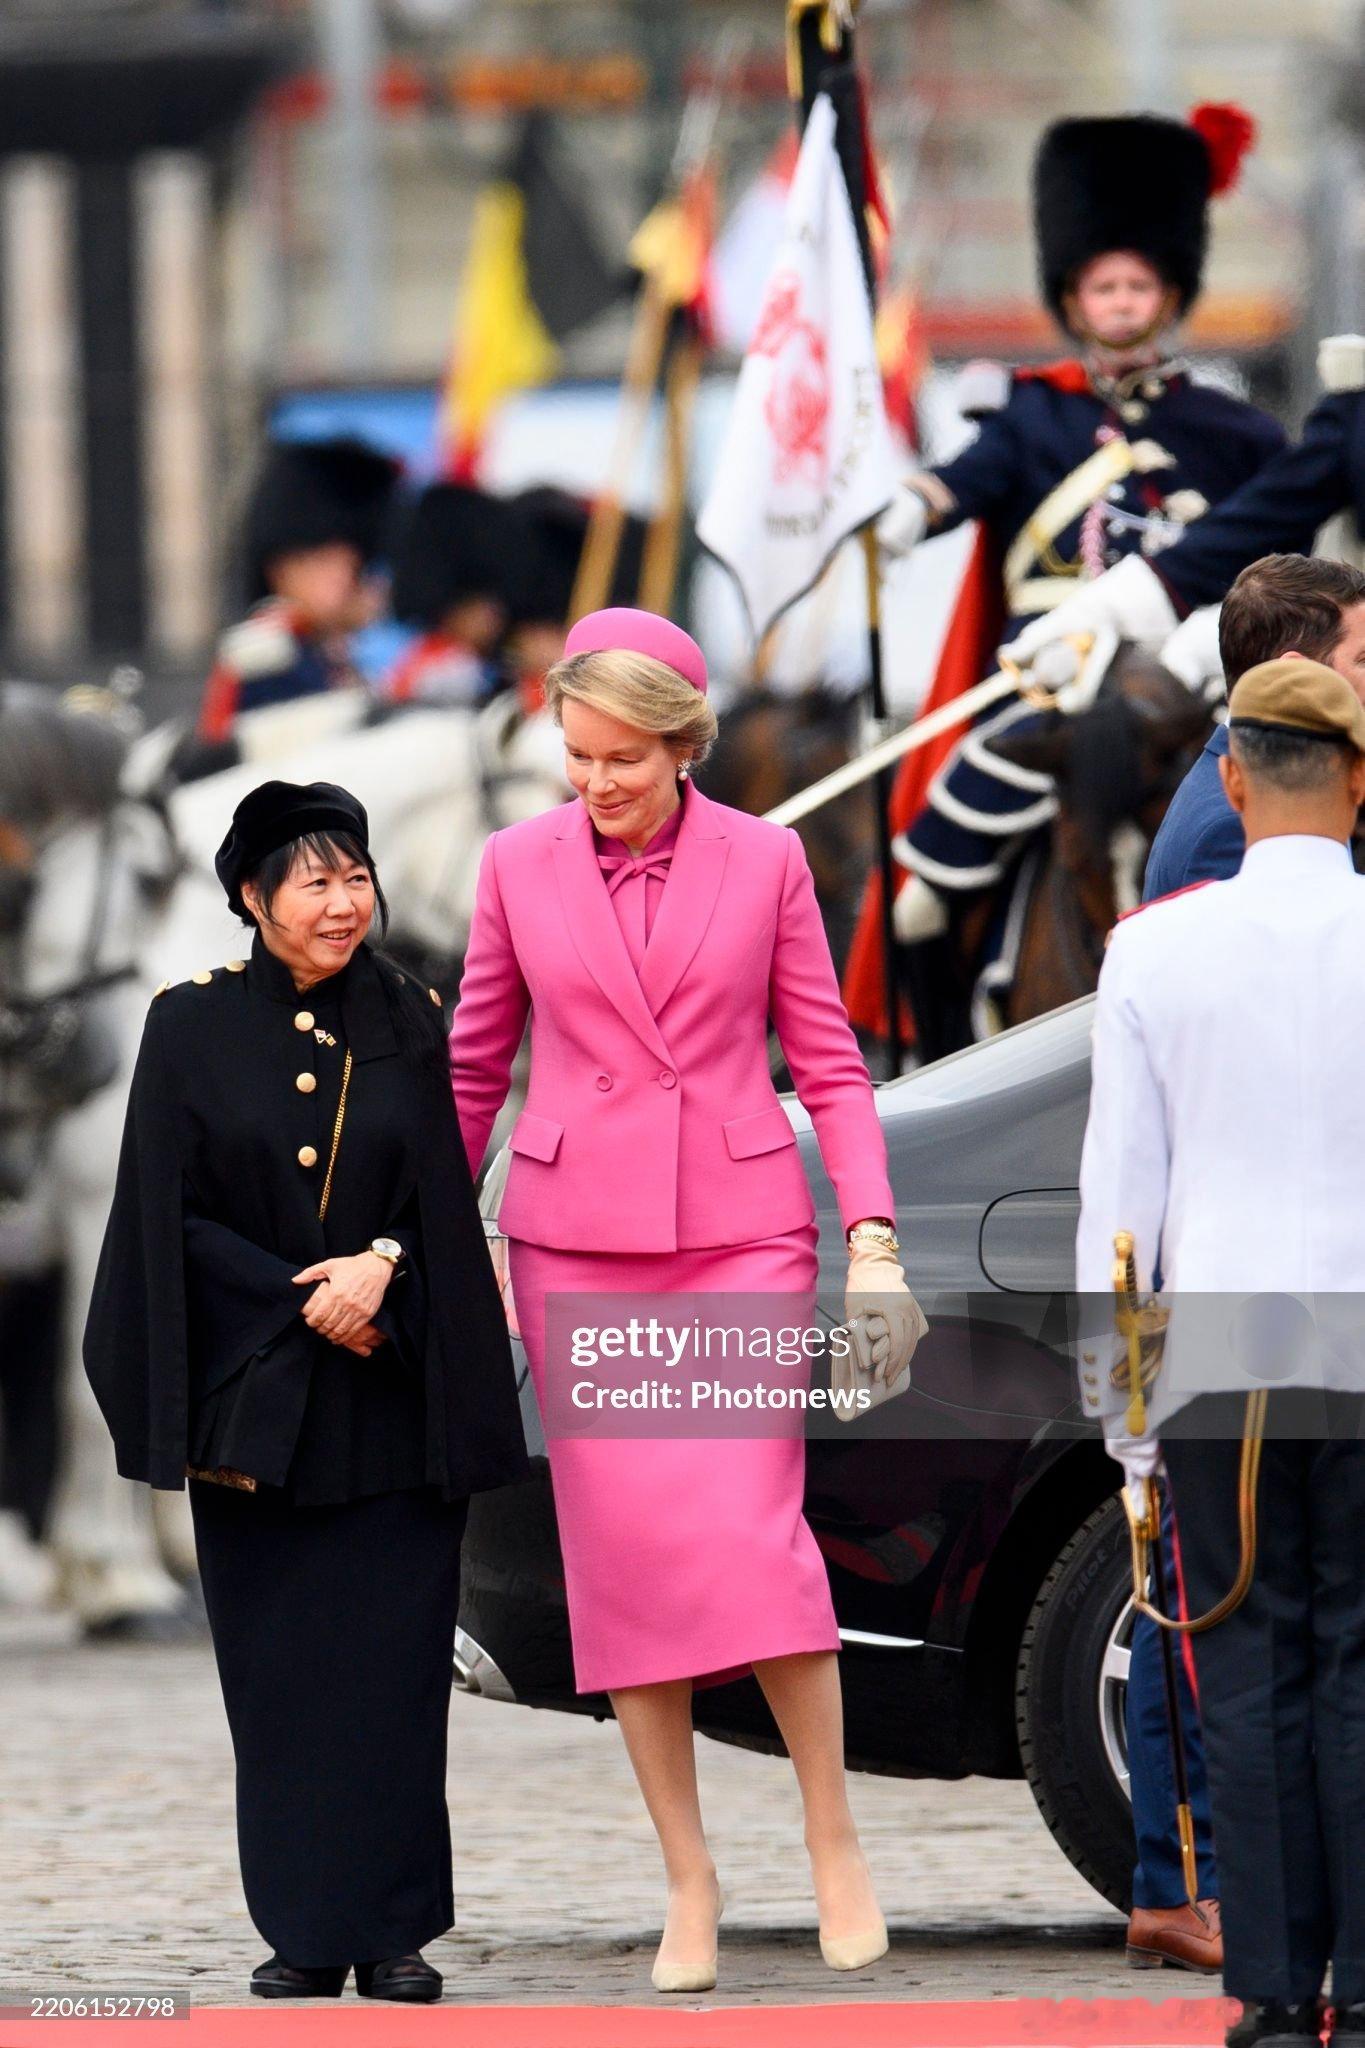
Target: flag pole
column 658, row 307
column 663, row 542
column 606, row 522
column 881, row 796
column 820, row 58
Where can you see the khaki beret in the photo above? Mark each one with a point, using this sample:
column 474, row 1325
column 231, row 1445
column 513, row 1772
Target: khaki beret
column 1298, row 696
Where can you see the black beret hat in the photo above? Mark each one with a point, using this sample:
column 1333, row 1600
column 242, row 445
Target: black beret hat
column 275, row 814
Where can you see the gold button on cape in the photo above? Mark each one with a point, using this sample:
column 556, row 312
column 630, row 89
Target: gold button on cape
column 307, row 1155
column 306, row 1083
column 303, row 1020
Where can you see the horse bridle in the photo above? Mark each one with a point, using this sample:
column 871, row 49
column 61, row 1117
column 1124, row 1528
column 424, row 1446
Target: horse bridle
column 90, row 979
column 492, row 776
column 41, row 1031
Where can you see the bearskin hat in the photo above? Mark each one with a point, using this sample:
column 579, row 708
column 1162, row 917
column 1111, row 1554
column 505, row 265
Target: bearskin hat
column 449, row 544
column 1135, row 181
column 550, row 527
column 311, row 493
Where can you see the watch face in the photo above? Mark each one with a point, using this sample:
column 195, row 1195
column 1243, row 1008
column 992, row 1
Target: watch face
column 387, row 1248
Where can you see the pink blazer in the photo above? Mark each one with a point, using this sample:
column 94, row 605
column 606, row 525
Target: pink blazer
column 651, row 1122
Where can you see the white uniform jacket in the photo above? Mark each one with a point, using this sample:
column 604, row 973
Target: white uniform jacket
column 1227, row 1106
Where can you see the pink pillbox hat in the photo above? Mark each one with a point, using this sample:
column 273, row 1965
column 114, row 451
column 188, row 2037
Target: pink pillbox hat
column 636, row 632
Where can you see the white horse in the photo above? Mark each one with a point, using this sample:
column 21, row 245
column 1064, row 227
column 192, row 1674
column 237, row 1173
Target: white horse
column 435, row 784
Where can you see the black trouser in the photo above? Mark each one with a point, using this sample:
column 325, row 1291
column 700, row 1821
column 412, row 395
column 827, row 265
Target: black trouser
column 30, row 1362
column 1282, row 1687
column 334, row 1631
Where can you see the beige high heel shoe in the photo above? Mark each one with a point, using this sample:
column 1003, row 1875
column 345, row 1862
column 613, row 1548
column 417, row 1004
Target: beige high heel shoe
column 855, row 1951
column 689, row 1976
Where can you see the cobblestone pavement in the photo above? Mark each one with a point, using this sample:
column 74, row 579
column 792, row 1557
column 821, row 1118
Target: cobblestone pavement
column 118, row 1867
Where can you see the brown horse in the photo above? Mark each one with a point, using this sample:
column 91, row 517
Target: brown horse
column 769, row 748
column 1116, row 767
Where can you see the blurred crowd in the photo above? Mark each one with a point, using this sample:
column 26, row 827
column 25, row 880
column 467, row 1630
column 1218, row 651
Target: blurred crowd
column 476, row 587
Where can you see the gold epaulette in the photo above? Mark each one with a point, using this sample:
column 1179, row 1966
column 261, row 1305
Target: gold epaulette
column 204, row 977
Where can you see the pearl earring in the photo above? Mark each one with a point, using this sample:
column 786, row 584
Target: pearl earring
column 683, row 772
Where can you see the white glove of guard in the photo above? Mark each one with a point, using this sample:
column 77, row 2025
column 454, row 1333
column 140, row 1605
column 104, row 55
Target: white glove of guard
column 1129, row 600
column 1140, row 1457
column 1192, row 652
column 884, row 1320
column 903, row 525
column 919, row 912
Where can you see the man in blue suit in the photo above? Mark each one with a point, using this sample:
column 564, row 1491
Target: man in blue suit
column 1283, row 604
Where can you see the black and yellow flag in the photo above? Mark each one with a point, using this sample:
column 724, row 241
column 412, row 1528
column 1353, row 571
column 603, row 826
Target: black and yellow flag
column 535, row 272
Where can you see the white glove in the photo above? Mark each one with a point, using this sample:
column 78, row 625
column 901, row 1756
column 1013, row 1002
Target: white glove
column 884, row 1320
column 1192, row 652
column 1130, row 600
column 1140, row 1457
column 919, row 912
column 903, row 525
column 1074, row 674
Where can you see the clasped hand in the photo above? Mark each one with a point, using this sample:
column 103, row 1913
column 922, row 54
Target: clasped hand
column 342, row 1308
column 883, row 1320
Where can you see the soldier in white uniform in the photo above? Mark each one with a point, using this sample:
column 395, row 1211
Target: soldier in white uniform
column 1226, row 1132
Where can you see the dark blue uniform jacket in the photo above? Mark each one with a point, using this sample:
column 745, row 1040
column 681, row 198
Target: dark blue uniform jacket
column 1279, row 510
column 1047, row 429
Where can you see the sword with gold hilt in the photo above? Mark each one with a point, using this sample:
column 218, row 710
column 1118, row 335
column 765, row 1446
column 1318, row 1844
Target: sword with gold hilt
column 1141, row 1323
column 1144, row 1526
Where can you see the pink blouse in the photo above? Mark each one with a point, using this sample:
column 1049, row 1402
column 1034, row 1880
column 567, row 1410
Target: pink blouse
column 635, row 883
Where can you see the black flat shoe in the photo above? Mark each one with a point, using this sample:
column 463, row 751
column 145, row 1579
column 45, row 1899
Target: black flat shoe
column 279, row 1979
column 1273, row 2025
column 407, row 1980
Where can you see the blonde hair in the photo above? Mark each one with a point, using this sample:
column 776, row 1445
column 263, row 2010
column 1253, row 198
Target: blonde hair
column 638, row 690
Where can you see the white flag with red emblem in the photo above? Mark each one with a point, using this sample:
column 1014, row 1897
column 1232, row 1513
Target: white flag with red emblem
column 807, row 456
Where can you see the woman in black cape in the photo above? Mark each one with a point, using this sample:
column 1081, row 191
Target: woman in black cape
column 295, row 1307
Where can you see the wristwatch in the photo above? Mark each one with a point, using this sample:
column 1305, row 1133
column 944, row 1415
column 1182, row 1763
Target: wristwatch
column 873, row 1232
column 387, row 1248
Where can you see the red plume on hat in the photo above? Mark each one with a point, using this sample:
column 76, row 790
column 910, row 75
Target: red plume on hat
column 1228, row 132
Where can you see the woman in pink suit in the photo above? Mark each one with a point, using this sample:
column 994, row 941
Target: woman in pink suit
column 650, row 934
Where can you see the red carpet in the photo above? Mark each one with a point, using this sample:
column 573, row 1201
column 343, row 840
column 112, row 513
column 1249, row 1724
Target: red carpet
column 982, row 2023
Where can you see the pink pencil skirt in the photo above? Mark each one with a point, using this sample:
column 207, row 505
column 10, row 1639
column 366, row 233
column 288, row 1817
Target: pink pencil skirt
column 683, row 1558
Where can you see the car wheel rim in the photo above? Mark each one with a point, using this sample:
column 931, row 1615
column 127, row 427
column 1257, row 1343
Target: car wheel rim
column 1113, row 1694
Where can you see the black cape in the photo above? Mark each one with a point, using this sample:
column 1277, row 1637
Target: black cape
column 195, row 1346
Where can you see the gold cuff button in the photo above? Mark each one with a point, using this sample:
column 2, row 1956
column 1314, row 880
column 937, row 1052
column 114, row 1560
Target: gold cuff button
column 202, row 978
column 306, row 1083
column 435, row 996
column 303, row 1020
column 308, row 1155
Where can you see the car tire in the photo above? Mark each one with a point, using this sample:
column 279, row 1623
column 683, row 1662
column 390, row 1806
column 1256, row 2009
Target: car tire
column 1059, row 1703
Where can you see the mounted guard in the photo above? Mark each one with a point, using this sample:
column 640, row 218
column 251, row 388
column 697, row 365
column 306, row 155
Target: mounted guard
column 450, row 573
column 1111, row 452
column 314, row 529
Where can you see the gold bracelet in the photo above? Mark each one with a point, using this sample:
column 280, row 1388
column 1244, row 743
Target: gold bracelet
column 882, row 1235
